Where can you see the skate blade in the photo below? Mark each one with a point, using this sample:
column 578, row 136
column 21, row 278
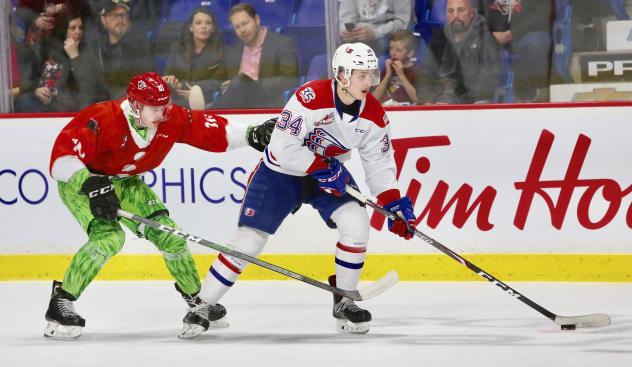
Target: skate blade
column 57, row 331
column 219, row 324
column 190, row 331
column 351, row 327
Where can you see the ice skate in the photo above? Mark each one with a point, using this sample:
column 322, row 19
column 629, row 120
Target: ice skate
column 63, row 321
column 349, row 317
column 201, row 316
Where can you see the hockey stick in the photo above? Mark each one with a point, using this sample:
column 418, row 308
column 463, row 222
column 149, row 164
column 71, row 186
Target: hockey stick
column 367, row 292
column 566, row 322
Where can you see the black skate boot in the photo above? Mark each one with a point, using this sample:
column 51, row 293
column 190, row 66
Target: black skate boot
column 63, row 321
column 349, row 317
column 200, row 316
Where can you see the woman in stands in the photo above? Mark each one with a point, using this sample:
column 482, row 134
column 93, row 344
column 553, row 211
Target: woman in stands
column 194, row 69
column 50, row 86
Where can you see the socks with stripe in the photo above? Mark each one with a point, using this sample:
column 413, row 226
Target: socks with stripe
column 349, row 264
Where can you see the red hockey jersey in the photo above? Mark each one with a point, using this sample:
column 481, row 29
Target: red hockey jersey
column 102, row 138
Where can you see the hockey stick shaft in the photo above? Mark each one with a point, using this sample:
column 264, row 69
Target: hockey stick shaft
column 358, row 295
column 580, row 321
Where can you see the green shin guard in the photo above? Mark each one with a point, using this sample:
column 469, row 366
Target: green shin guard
column 176, row 255
column 105, row 240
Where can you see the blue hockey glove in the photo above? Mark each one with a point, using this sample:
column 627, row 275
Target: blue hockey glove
column 405, row 225
column 333, row 179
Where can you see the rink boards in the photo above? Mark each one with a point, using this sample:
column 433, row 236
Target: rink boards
column 526, row 193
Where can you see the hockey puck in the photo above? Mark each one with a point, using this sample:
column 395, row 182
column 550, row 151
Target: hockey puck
column 569, row 327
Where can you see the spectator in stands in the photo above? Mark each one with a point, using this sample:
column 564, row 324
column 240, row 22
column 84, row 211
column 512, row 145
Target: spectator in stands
column 52, row 84
column 464, row 65
column 260, row 67
column 114, row 58
column 144, row 16
column 397, row 84
column 373, row 21
column 18, row 54
column 523, row 27
column 196, row 59
column 40, row 15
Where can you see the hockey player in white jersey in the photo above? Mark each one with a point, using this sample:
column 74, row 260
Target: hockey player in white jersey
column 303, row 164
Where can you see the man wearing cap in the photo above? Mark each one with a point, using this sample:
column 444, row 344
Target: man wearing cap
column 115, row 56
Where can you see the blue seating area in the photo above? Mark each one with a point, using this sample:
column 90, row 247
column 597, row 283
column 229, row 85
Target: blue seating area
column 305, row 22
column 562, row 34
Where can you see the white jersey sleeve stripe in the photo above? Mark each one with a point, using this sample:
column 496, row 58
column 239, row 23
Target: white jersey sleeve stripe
column 65, row 167
column 236, row 136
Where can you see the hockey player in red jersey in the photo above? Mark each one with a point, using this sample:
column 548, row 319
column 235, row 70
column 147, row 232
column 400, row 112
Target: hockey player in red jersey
column 97, row 159
column 303, row 164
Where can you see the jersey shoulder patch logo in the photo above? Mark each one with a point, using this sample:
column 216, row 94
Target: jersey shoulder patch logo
column 323, row 143
column 93, row 125
column 307, row 95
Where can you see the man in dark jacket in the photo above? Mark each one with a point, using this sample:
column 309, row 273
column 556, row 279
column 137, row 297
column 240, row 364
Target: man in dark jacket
column 523, row 27
column 260, row 67
column 114, row 58
column 466, row 69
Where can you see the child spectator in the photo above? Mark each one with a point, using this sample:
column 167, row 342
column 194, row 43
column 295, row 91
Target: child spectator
column 397, row 85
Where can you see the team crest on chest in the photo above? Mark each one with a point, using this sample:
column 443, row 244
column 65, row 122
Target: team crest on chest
column 328, row 119
column 307, row 95
column 323, row 143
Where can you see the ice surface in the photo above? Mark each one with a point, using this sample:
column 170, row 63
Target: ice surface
column 287, row 323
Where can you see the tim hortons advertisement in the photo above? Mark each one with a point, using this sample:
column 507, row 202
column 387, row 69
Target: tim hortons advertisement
column 523, row 180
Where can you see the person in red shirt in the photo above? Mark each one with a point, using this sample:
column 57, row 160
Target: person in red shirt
column 97, row 160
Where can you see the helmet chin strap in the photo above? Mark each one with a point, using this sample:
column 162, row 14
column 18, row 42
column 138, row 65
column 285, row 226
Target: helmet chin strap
column 136, row 115
column 346, row 90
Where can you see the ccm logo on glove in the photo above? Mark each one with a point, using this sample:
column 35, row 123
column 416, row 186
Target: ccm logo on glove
column 101, row 191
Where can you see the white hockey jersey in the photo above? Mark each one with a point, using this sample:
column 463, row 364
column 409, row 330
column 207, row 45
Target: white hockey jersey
column 310, row 129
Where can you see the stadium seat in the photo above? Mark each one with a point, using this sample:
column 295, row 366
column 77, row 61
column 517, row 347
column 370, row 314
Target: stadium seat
column 435, row 16
column 421, row 9
column 504, row 92
column 309, row 41
column 308, row 13
column 618, row 7
column 562, row 31
column 273, row 13
column 318, row 67
column 180, row 10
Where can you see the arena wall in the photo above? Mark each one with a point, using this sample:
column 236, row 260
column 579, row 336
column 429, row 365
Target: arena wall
column 539, row 192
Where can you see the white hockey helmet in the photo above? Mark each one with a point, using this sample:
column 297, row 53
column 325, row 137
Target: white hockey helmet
column 355, row 56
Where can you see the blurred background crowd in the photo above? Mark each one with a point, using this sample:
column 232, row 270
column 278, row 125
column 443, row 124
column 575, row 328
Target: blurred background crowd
column 62, row 55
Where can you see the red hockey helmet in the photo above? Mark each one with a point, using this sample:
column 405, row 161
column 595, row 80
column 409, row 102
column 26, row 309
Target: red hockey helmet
column 149, row 89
